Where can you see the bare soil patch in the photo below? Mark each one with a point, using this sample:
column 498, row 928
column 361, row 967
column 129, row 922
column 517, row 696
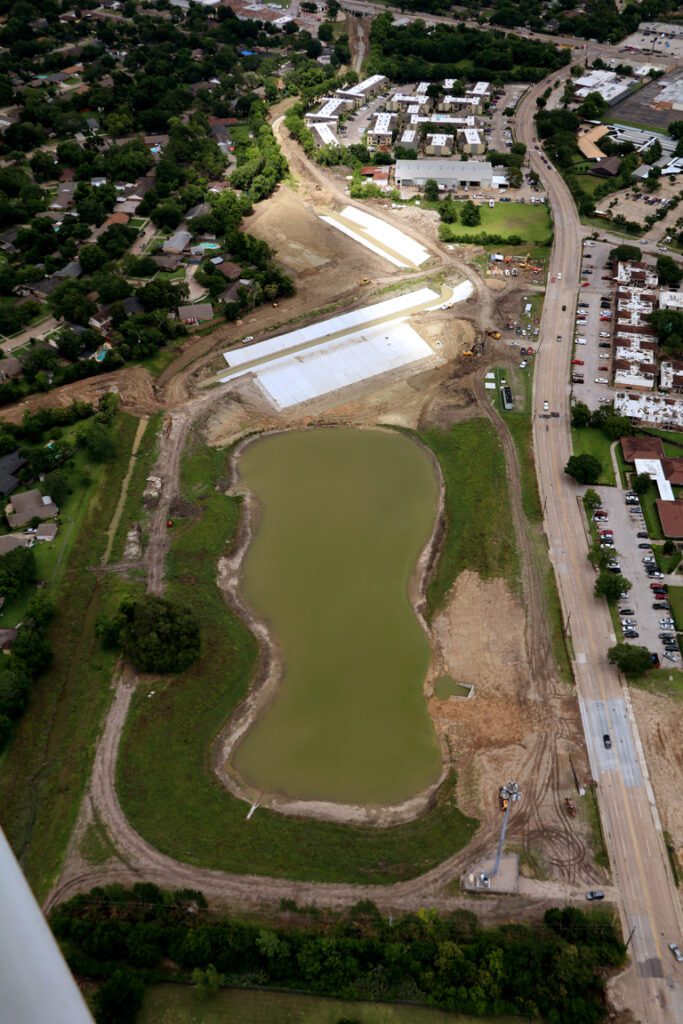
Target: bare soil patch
column 660, row 724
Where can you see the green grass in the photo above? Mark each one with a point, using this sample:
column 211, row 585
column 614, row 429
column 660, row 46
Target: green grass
column 593, row 441
column 676, row 603
column 589, row 804
column 650, row 514
column 45, row 768
column 96, row 846
column 133, row 507
column 666, row 563
column 164, row 780
column 479, row 534
column 667, row 682
column 518, row 421
column 529, row 222
column 179, row 1004
column 622, row 466
column 162, row 358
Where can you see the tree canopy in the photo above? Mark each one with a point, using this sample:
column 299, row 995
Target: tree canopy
column 631, row 659
column 156, row 634
column 585, row 468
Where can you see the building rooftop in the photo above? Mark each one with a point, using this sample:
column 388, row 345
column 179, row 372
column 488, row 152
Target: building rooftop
column 633, row 448
column 438, row 168
column 29, row 505
column 671, row 517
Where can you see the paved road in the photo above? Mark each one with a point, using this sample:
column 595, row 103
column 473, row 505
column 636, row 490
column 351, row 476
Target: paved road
column 648, row 900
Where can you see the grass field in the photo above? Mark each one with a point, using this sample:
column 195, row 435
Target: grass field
column 593, row 441
column 647, row 503
column 479, row 534
column 518, row 422
column 164, row 781
column 179, row 1004
column 676, row 602
column 45, row 768
column 666, row 563
column 531, row 223
column 133, row 508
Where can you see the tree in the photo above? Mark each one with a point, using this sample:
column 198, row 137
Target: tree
column 624, row 253
column 326, row 32
column 640, row 483
column 585, row 469
column 669, row 271
column 470, row 214
column 581, row 415
column 431, row 190
column 611, row 585
column 98, row 442
column 17, row 570
column 630, row 658
column 592, row 498
column 158, row 635
column 119, row 998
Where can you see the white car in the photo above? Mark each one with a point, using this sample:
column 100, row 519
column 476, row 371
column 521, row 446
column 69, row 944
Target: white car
column 545, row 407
column 580, row 341
column 559, row 276
column 604, row 334
column 586, row 242
column 601, row 380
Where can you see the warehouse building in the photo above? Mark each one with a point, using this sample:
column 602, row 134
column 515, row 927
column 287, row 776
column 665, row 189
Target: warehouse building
column 447, row 173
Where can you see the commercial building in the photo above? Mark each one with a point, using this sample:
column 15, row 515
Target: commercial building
column 448, row 174
column 608, row 84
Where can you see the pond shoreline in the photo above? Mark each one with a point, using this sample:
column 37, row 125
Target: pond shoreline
column 266, row 683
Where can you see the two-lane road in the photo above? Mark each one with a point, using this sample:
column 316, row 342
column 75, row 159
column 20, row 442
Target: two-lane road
column 648, row 901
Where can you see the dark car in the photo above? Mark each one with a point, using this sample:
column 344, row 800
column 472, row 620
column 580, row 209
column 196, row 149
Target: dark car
column 604, row 344
column 660, row 606
column 564, row 309
column 626, row 611
column 645, row 547
column 642, row 533
column 630, row 634
column 595, row 894
column 671, row 647
column 607, row 741
column 666, row 637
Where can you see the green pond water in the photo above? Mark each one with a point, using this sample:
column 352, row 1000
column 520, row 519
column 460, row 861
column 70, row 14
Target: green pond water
column 344, row 515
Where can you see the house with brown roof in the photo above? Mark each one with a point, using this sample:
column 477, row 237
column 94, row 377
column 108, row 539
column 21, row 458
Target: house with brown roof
column 29, row 505
column 671, row 518
column 196, row 313
column 673, row 471
column 633, row 448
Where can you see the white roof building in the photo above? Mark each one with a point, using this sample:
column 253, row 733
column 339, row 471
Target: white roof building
column 653, row 468
column 670, row 300
column 324, row 134
column 660, row 410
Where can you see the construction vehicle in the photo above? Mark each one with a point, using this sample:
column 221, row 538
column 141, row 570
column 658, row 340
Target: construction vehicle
column 494, row 334
column 364, row 280
column 503, row 802
column 468, row 352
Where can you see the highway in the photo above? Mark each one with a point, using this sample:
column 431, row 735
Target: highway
column 648, row 901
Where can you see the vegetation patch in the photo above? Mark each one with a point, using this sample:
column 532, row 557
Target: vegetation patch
column 47, row 764
column 521, row 221
column 165, row 783
column 595, row 442
column 133, row 511
column 478, row 532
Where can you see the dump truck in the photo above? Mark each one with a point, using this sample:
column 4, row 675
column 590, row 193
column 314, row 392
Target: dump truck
column 495, row 334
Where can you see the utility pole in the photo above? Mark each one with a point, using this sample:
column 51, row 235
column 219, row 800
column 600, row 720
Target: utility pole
column 628, row 941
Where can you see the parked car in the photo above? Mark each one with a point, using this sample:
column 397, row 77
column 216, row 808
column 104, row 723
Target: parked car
column 607, row 742
column 645, row 547
column 580, row 341
column 676, row 952
column 643, row 533
column 604, row 334
column 630, row 634
column 603, row 369
column 626, row 611
column 601, row 380
column 604, row 344
column 595, row 894
column 577, row 362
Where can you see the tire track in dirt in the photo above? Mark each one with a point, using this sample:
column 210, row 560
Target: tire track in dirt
column 563, row 848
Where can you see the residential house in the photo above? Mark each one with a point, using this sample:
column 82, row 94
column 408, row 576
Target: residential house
column 10, row 367
column 28, row 505
column 71, row 271
column 195, row 314
column 12, row 541
column 9, row 467
column 168, row 263
column 177, row 243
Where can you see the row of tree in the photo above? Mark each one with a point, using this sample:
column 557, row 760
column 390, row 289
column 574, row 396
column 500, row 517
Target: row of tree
column 555, row 970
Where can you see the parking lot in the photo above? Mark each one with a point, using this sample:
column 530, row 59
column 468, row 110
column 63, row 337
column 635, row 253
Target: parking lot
column 626, row 525
column 594, row 360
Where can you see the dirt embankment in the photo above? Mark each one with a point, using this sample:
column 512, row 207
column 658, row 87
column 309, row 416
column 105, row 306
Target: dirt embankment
column 660, row 724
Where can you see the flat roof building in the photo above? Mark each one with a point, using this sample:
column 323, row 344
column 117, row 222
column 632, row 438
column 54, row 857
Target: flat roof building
column 447, row 173
column 323, row 134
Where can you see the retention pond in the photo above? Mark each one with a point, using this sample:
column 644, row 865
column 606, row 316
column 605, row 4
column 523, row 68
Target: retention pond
column 343, row 517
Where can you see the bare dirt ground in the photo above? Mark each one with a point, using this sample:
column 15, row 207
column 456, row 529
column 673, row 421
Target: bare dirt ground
column 660, row 724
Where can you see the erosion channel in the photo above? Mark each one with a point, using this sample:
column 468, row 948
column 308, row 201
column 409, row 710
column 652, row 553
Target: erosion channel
column 333, row 569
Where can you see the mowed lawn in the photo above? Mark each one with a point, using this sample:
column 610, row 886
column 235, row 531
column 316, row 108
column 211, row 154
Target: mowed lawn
column 593, row 441
column 530, row 222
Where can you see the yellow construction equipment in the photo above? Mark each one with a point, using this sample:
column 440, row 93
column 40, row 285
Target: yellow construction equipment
column 364, row 280
column 468, row 352
column 495, row 334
